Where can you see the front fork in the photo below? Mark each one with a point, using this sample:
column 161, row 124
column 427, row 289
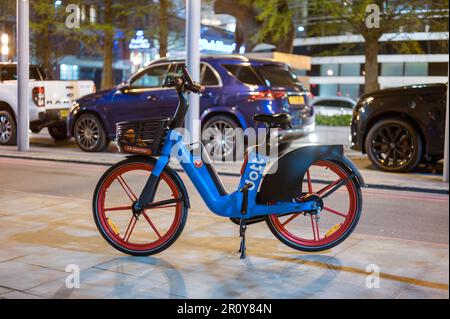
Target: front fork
column 149, row 191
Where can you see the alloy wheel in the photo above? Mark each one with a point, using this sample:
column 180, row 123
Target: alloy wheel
column 6, row 129
column 88, row 133
column 393, row 146
column 221, row 139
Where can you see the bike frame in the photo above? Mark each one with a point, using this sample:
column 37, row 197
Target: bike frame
column 228, row 204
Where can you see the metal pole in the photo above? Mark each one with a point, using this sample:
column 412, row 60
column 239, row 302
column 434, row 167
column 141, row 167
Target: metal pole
column 23, row 72
column 193, row 12
column 446, row 141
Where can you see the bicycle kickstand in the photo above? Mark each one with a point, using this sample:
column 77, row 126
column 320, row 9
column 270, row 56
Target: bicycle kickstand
column 242, row 229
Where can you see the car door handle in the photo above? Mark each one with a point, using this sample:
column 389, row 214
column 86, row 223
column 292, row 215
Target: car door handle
column 152, row 98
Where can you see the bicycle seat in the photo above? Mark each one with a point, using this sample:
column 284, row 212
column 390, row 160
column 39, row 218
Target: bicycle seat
column 279, row 118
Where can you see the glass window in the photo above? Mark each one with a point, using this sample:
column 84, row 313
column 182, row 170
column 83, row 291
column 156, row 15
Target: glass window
column 244, row 73
column 345, row 104
column 392, row 69
column 416, row 69
column 68, row 72
column 9, row 73
column 277, row 75
column 350, row 90
column 329, row 70
column 152, row 77
column 209, row 78
column 350, row 69
column 328, row 90
column 330, row 103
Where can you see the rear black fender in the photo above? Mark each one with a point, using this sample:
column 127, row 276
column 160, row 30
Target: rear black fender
column 171, row 172
column 284, row 183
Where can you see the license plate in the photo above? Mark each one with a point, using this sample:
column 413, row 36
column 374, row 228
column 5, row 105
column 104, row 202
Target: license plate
column 63, row 113
column 296, row 100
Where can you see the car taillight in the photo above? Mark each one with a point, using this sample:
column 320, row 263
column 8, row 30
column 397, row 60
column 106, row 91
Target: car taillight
column 279, row 94
column 267, row 95
column 38, row 95
column 260, row 96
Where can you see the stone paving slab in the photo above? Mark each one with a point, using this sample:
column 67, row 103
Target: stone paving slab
column 204, row 262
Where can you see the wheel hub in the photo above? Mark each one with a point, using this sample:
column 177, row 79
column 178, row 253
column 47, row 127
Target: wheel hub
column 314, row 198
column 136, row 211
column 88, row 133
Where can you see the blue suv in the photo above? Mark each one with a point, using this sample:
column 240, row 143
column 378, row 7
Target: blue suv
column 236, row 88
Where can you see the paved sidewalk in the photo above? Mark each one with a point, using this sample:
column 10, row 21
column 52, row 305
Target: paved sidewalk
column 35, row 249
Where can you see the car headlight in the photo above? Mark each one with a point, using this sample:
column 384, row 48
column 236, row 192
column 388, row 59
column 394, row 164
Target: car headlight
column 74, row 106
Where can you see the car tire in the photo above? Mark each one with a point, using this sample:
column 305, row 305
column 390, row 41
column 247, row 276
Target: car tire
column 89, row 133
column 226, row 144
column 394, row 145
column 8, row 129
column 58, row 132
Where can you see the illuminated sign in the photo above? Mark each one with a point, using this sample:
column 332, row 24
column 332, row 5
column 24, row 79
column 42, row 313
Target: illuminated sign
column 216, row 45
column 139, row 42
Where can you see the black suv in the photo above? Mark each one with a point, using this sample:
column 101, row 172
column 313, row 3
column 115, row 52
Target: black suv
column 400, row 127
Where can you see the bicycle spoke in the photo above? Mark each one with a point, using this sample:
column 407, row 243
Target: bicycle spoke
column 163, row 203
column 126, row 188
column 130, row 228
column 326, row 188
column 117, row 208
column 290, row 219
column 308, row 176
column 151, row 224
column 339, row 184
column 334, row 211
column 315, row 228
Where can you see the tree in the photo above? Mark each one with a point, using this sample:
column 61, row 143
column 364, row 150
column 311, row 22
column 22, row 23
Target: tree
column 45, row 26
column 163, row 27
column 371, row 19
column 102, row 25
column 163, row 17
column 260, row 21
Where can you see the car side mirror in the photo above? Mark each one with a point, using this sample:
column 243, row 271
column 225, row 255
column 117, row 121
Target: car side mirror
column 124, row 88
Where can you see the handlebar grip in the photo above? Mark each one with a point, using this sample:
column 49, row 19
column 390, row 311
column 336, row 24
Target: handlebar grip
column 187, row 76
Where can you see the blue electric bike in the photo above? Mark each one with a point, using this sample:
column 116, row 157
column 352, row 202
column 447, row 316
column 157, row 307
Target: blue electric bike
column 312, row 201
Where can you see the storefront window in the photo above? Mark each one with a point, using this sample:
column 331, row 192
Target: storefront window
column 328, row 90
column 350, row 69
column 350, row 90
column 329, row 70
column 392, row 69
column 416, row 69
column 69, row 72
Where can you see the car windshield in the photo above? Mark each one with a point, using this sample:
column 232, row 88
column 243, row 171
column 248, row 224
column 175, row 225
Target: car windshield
column 277, row 75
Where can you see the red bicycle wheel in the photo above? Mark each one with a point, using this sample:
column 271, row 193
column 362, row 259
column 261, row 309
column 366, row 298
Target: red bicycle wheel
column 152, row 231
column 339, row 216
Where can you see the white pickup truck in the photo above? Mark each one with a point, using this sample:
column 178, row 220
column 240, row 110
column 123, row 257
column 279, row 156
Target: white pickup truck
column 49, row 102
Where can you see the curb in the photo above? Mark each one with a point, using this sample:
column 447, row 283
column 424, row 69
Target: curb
column 370, row 186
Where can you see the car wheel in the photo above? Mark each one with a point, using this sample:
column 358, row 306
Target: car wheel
column 58, row 132
column 90, row 134
column 221, row 139
column 394, row 145
column 8, row 129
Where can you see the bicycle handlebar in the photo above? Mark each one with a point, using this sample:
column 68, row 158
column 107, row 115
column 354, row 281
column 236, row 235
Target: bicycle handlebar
column 185, row 82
